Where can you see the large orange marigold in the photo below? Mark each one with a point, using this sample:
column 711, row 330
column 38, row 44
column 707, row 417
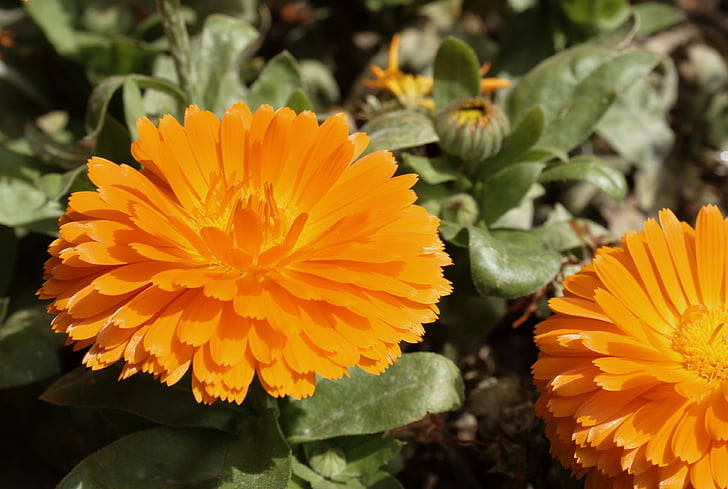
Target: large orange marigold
column 633, row 365
column 253, row 244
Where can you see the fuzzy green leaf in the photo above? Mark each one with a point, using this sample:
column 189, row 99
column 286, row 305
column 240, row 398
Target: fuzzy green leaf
column 575, row 88
column 417, row 384
column 223, row 41
column 381, row 480
column 432, row 170
column 656, row 16
column 510, row 263
column 399, row 129
column 23, row 204
column 518, row 143
column 161, row 458
column 277, row 82
column 98, row 102
column 636, row 125
column 299, row 101
column 505, row 190
column 158, row 458
column 28, row 349
column 590, row 169
column 133, row 106
column 260, row 459
column 140, row 395
column 600, row 15
column 55, row 19
column 456, row 73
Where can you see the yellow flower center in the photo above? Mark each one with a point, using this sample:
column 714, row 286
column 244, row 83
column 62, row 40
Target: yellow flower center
column 474, row 113
column 216, row 209
column 702, row 339
column 260, row 233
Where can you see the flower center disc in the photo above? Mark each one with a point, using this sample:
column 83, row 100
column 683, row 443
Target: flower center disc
column 702, row 339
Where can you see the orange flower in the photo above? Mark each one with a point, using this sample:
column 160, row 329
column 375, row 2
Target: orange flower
column 412, row 90
column 409, row 89
column 258, row 244
column 633, row 365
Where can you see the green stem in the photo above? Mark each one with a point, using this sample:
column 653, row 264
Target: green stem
column 175, row 30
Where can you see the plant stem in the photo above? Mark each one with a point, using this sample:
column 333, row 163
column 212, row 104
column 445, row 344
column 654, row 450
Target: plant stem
column 175, row 30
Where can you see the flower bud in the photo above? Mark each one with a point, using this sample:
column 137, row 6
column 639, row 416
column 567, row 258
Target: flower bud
column 472, row 128
column 460, row 208
column 328, row 461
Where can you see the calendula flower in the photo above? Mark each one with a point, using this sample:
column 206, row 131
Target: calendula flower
column 412, row 90
column 255, row 245
column 633, row 365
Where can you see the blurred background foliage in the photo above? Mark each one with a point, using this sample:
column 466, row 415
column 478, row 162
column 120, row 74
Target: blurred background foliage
column 615, row 109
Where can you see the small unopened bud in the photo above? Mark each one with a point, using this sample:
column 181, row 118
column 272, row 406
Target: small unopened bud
column 472, row 128
column 328, row 462
column 461, row 209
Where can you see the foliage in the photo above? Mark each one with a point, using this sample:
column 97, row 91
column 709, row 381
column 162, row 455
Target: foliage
column 590, row 135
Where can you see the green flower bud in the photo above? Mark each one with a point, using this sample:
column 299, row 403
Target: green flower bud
column 327, row 461
column 472, row 128
column 460, row 208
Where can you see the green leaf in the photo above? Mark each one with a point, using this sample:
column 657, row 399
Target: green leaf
column 568, row 235
column 348, row 457
column 598, row 14
column 161, row 458
column 510, row 263
column 505, row 190
column 590, row 169
column 320, row 84
column 277, row 82
column 620, row 37
column 114, row 141
column 452, row 232
column 157, row 103
column 260, row 459
column 636, row 124
column 432, row 170
column 58, row 185
column 552, row 82
column 133, row 106
column 28, row 349
column 431, row 197
column 298, row 101
column 98, row 102
column 381, row 480
column 158, row 458
column 593, row 96
column 21, row 166
column 575, row 88
column 456, row 73
column 399, row 129
column 54, row 17
column 415, row 385
column 518, row 143
column 655, row 16
column 365, row 454
column 222, row 43
column 22, row 204
column 47, row 147
column 309, row 478
column 141, row 395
